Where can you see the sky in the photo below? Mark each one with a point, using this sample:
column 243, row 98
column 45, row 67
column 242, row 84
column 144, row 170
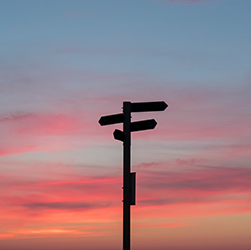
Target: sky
column 66, row 63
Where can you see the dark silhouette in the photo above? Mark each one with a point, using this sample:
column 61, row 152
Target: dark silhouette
column 129, row 179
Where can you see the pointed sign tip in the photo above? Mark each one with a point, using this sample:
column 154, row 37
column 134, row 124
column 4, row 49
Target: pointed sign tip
column 165, row 105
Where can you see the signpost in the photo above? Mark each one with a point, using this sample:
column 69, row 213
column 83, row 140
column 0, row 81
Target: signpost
column 129, row 179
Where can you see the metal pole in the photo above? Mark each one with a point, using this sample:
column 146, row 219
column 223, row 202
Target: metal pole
column 126, row 176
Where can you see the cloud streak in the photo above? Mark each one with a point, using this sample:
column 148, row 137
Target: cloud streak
column 65, row 205
column 188, row 184
column 16, row 116
column 64, row 196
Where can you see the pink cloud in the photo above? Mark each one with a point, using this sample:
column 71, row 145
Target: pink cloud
column 199, row 179
column 26, row 132
column 184, row 185
column 44, row 124
column 202, row 191
column 201, row 114
column 44, row 197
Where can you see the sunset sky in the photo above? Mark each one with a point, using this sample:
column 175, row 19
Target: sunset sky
column 66, row 63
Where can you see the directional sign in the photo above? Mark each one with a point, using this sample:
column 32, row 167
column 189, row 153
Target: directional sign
column 129, row 178
column 143, row 125
column 148, row 106
column 111, row 119
column 118, row 135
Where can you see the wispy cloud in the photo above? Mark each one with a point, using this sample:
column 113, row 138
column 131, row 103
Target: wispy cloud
column 187, row 183
column 28, row 132
column 15, row 116
column 199, row 180
column 66, row 205
column 48, row 232
column 49, row 194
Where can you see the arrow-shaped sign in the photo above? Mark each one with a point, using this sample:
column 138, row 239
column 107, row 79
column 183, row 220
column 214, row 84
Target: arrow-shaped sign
column 148, row 106
column 118, row 135
column 111, row 119
column 143, row 125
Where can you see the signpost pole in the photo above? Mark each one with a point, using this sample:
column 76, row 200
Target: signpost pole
column 129, row 183
column 126, row 175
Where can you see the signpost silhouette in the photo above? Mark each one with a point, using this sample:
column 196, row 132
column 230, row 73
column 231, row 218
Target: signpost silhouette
column 129, row 179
